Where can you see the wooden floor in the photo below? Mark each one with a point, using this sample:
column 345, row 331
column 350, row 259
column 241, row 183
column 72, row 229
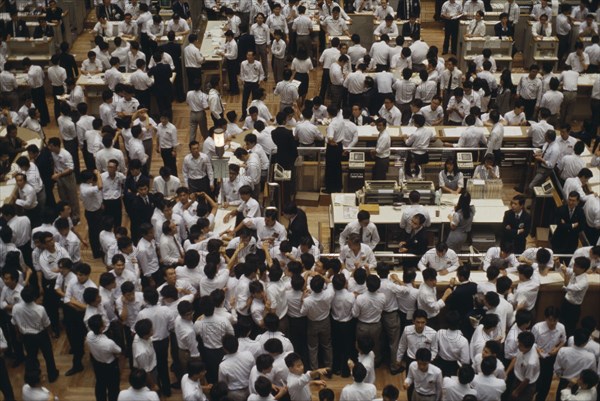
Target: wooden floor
column 81, row 387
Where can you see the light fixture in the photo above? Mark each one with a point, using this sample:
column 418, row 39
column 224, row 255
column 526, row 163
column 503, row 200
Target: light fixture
column 219, row 138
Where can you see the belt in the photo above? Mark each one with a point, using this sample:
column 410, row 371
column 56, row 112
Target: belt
column 389, row 312
column 425, row 395
column 307, row 144
column 570, row 91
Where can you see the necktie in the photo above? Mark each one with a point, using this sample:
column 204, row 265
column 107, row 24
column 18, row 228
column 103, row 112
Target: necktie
column 517, row 216
column 165, row 192
column 571, row 213
column 449, row 88
column 109, row 12
column 146, row 200
column 361, row 232
column 541, row 32
column 474, row 27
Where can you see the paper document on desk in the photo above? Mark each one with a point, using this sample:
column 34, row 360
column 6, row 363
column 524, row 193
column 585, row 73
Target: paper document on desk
column 513, row 131
column 350, row 212
column 367, row 130
column 408, row 131
column 344, row 199
column 551, row 278
column 457, row 131
column 220, row 225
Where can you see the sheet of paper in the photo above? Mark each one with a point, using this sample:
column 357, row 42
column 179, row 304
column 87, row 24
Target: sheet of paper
column 344, row 199
column 350, row 212
column 513, row 131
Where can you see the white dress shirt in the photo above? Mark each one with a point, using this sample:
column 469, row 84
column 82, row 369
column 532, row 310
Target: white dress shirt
column 431, row 259
column 411, row 341
column 489, row 388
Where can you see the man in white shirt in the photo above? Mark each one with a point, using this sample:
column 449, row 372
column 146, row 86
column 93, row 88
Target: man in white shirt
column 138, row 390
column 235, row 368
column 547, row 159
column 197, row 170
column 380, row 52
column 337, row 78
column 526, row 367
column 423, row 377
column 488, row 387
column 427, row 298
column 440, row 258
column 63, row 175
column 193, row 58
column 358, row 389
column 579, row 184
column 578, row 60
column 382, row 149
column 251, row 73
column 105, row 358
column 451, row 12
column 362, row 226
column 90, row 192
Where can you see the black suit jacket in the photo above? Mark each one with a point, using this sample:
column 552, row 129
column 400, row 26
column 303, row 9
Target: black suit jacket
column 365, row 120
column 417, row 243
column 67, row 61
column 408, row 32
column 45, row 165
column 510, row 234
column 565, row 237
column 22, row 30
column 287, row 148
column 40, row 32
column 140, row 213
column 414, row 7
column 115, row 12
column 461, row 299
column 173, row 50
column 298, row 228
column 182, row 9
column 55, row 15
column 162, row 78
column 510, row 31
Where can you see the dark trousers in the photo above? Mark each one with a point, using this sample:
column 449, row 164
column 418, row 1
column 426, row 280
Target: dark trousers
column 51, row 301
column 38, row 95
column 212, row 358
column 33, row 344
column 450, row 35
column 15, row 345
column 381, row 167
column 449, row 368
column 164, row 101
column 161, row 347
column 127, row 350
column 595, row 105
column 169, row 160
column 529, row 106
column 333, row 167
column 545, row 379
column 72, row 147
column 57, row 91
column 404, row 321
column 201, row 185
column 298, row 336
column 562, row 384
column 144, row 98
column 108, row 378
column 249, row 88
column 94, row 220
column 75, row 333
column 88, row 158
column 5, row 385
column 193, row 74
column 114, row 208
column 343, row 338
column 569, row 316
column 232, row 67
column 325, row 81
column 564, row 45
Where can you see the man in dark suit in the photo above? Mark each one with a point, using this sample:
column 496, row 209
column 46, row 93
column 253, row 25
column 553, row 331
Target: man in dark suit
column 174, row 50
column 417, row 241
column 287, row 153
column 181, row 8
column 67, row 61
column 111, row 12
column 298, row 225
column 45, row 164
column 358, row 116
column 461, row 299
column 142, row 209
column 408, row 8
column 43, row 30
column 162, row 88
column 411, row 27
column 16, row 28
column 570, row 220
column 504, row 27
column 134, row 176
column 517, row 224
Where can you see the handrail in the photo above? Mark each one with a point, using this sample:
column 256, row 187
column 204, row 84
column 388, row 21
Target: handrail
column 407, row 148
column 412, row 255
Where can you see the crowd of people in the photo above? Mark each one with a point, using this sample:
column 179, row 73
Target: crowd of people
column 253, row 312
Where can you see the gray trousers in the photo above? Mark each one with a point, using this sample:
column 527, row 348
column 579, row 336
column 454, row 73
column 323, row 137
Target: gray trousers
column 148, row 150
column 278, row 67
column 391, row 327
column 319, row 334
column 337, row 95
column 41, row 198
column 238, row 395
column 198, row 120
column 261, row 52
column 418, row 397
column 304, row 42
column 284, row 105
column 568, row 106
column 67, row 191
column 540, row 176
column 372, row 330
